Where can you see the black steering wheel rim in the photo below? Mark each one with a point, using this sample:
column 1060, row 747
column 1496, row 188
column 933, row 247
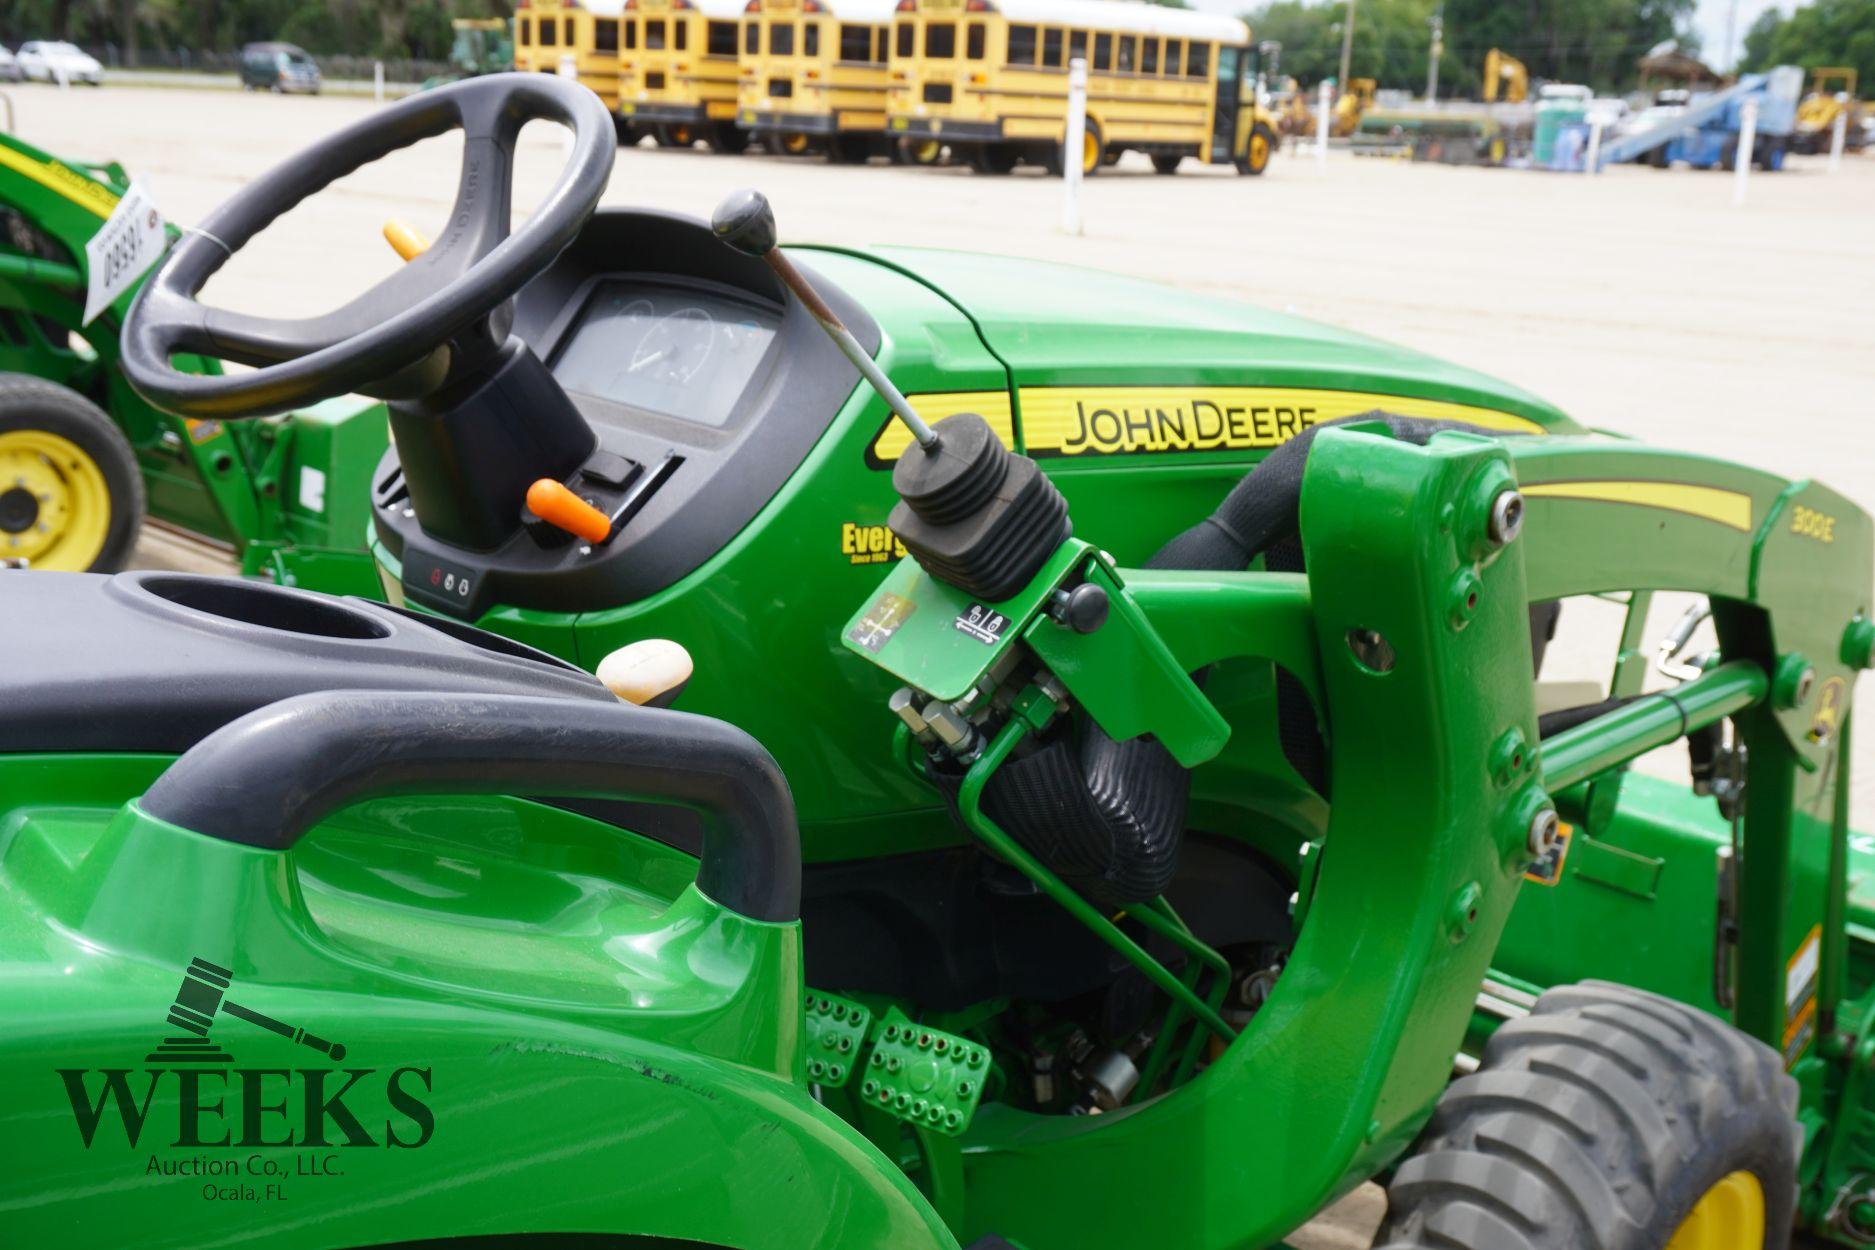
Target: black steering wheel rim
column 401, row 327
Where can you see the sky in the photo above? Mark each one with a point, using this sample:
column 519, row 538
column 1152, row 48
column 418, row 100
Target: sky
column 1708, row 19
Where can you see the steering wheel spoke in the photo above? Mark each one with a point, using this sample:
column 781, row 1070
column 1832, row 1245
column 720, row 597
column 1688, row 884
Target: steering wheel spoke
column 389, row 339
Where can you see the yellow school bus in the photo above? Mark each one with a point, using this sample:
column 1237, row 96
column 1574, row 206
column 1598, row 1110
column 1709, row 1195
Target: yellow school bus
column 677, row 71
column 814, row 75
column 989, row 79
column 546, row 30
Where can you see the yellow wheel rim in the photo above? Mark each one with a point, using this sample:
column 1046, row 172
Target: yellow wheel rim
column 681, row 136
column 1729, row 1216
column 55, row 508
column 1090, row 152
column 1259, row 151
column 794, row 143
column 926, row 153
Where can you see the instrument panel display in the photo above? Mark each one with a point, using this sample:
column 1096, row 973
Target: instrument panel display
column 675, row 351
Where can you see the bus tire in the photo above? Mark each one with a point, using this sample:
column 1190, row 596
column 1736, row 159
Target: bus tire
column 920, row 150
column 1255, row 158
column 1093, row 152
column 67, row 461
column 727, row 138
column 788, row 143
column 995, row 158
column 1608, row 1117
column 627, row 132
column 1166, row 162
column 675, row 135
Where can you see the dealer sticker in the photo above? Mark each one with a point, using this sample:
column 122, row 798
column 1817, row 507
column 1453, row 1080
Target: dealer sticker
column 122, row 251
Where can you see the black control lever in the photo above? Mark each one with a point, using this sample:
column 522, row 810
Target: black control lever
column 745, row 222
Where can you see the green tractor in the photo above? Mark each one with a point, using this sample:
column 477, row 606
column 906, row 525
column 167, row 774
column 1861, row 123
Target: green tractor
column 482, row 45
column 1114, row 801
column 84, row 459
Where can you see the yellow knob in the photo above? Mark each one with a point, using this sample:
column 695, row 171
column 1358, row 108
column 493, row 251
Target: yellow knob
column 404, row 240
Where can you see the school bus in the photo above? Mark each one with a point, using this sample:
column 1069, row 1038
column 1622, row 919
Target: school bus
column 546, row 30
column 989, row 78
column 677, row 71
column 814, row 75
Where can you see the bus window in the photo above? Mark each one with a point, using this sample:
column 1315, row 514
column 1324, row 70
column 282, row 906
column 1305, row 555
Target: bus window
column 1077, row 44
column 855, row 42
column 680, row 28
column 940, row 40
column 1148, row 56
column 906, row 34
column 810, row 39
column 566, row 32
column 1051, row 47
column 1196, row 58
column 629, row 27
column 1174, row 57
column 752, row 38
column 1227, row 65
column 781, row 39
column 605, row 34
column 973, row 41
column 1022, row 45
column 879, row 53
column 523, row 32
column 719, row 38
column 654, row 35
column 1103, row 52
column 549, row 32
column 1125, row 62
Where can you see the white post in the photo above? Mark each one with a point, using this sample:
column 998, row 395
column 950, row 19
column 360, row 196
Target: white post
column 377, row 81
column 1593, row 162
column 1321, row 127
column 1837, row 133
column 1747, row 135
column 1071, row 146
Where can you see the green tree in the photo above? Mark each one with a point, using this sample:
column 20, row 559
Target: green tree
column 1828, row 32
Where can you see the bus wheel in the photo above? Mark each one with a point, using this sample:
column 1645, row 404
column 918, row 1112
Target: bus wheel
column 848, row 149
column 995, row 158
column 789, row 143
column 1092, row 153
column 920, row 151
column 675, row 135
column 728, row 138
column 627, row 132
column 1256, row 154
column 1166, row 162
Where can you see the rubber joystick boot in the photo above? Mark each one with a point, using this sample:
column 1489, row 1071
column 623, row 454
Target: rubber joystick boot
column 975, row 514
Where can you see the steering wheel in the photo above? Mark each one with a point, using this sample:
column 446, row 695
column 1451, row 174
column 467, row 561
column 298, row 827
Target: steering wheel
column 410, row 333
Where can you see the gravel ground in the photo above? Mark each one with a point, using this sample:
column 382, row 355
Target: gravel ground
column 1640, row 301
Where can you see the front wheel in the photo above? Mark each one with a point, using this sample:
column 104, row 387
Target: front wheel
column 1607, row 1117
column 1255, row 157
column 1092, row 148
column 920, row 151
column 71, row 496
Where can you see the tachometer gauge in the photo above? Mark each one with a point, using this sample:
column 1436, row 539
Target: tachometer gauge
column 675, row 348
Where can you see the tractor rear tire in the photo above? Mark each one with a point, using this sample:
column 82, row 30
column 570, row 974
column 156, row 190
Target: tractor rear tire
column 1607, row 1119
column 62, row 460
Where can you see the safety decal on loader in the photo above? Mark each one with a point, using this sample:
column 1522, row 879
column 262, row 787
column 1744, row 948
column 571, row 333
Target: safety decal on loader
column 1548, row 870
column 1800, row 979
column 1069, row 421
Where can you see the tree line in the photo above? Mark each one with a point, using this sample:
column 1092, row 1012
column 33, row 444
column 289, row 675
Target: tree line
column 1828, row 32
column 1587, row 41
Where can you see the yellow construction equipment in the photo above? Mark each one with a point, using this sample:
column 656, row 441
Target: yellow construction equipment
column 1505, row 78
column 1832, row 92
column 1350, row 104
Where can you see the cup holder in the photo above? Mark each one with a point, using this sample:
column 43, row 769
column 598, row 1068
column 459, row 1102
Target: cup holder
column 268, row 607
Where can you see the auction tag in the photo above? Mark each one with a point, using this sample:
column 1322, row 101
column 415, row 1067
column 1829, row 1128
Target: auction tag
column 131, row 240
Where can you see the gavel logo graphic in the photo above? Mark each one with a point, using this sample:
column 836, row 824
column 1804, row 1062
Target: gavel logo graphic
column 203, row 993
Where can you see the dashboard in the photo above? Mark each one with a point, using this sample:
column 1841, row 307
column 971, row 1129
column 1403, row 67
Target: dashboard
column 706, row 387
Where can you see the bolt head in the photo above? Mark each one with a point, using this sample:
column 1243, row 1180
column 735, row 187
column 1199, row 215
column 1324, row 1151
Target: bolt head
column 1506, row 521
column 1545, row 829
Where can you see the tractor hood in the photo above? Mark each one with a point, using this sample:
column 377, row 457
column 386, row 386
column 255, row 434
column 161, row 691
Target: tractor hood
column 1054, row 325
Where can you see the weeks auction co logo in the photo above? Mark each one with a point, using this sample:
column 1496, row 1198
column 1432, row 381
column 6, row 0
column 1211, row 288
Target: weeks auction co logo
column 248, row 1132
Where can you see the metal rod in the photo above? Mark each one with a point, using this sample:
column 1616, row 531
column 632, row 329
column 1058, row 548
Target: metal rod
column 850, row 348
column 1835, row 929
column 1653, row 720
column 969, row 800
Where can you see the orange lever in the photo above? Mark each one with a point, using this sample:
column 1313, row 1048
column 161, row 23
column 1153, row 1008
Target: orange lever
column 556, row 505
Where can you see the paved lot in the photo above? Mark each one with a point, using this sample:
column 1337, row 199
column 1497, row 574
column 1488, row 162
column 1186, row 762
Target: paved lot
column 1641, row 301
